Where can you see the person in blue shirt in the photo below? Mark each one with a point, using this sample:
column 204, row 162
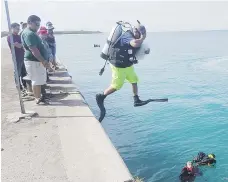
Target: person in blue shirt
column 122, row 67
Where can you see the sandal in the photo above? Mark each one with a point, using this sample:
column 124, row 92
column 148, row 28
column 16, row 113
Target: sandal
column 43, row 100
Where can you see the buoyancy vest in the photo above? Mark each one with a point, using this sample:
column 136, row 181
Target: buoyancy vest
column 123, row 56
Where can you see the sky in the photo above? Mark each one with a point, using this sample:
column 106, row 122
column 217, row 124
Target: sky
column 98, row 15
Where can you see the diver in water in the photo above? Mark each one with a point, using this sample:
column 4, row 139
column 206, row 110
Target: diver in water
column 122, row 66
column 189, row 173
column 203, row 159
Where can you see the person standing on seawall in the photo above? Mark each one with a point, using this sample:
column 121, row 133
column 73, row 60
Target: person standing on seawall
column 23, row 26
column 48, row 55
column 19, row 52
column 35, row 63
column 51, row 42
column 24, row 73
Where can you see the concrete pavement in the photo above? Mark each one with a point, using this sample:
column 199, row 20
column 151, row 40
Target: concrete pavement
column 64, row 142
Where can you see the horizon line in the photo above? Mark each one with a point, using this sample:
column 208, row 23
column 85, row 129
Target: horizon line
column 98, row 31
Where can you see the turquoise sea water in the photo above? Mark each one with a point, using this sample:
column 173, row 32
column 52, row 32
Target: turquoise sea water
column 155, row 141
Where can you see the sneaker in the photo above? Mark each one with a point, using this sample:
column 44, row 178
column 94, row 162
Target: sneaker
column 30, row 94
column 46, row 96
column 23, row 90
column 28, row 98
column 50, row 70
column 24, row 94
column 50, row 73
column 100, row 102
column 56, row 68
column 43, row 100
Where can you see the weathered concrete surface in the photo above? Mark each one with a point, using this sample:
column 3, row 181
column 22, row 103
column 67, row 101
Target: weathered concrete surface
column 32, row 148
column 64, row 143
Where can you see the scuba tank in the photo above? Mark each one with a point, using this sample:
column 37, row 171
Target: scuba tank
column 113, row 38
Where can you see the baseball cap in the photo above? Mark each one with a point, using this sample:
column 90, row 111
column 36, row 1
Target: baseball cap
column 43, row 31
column 49, row 25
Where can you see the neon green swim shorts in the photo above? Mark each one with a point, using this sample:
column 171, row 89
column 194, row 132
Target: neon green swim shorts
column 120, row 74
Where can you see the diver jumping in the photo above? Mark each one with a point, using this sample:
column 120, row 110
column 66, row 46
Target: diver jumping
column 120, row 50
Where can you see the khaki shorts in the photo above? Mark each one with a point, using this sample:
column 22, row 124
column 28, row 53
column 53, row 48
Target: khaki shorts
column 36, row 72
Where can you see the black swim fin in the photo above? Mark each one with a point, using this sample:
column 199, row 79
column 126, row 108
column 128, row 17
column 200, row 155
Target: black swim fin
column 141, row 103
column 159, row 100
column 100, row 102
column 138, row 102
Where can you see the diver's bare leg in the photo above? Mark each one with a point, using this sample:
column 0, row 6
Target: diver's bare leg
column 137, row 101
column 109, row 91
column 135, row 89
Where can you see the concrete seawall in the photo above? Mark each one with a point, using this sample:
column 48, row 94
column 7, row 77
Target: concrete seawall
column 65, row 142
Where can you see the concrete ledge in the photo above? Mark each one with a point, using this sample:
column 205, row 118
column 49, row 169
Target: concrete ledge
column 63, row 143
column 88, row 152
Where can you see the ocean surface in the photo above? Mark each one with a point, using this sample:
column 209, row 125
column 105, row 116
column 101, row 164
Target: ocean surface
column 156, row 140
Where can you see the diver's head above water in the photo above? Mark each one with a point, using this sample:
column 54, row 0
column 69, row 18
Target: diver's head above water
column 189, row 165
column 211, row 156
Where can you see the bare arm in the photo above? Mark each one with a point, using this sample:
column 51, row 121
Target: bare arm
column 138, row 42
column 37, row 55
column 18, row 45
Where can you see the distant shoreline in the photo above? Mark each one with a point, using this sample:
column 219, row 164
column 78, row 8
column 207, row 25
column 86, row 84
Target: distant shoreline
column 77, row 32
column 5, row 33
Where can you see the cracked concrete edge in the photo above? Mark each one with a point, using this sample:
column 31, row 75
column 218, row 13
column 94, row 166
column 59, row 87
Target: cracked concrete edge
column 126, row 175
